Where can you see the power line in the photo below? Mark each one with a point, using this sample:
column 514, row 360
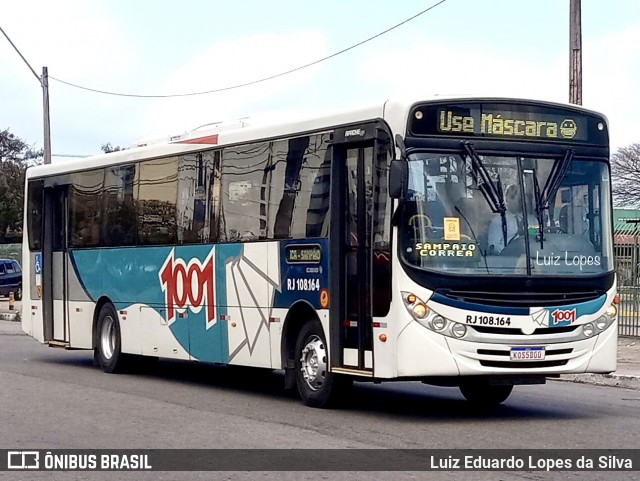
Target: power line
column 44, row 84
column 253, row 82
column 21, row 56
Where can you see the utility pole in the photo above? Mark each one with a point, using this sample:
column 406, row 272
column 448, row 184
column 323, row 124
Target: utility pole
column 575, row 53
column 44, row 81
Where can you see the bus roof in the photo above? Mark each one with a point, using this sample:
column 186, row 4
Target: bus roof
column 393, row 111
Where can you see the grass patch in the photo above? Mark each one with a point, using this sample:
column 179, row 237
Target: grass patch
column 11, row 251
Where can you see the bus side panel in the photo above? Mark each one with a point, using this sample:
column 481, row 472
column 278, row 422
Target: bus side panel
column 276, row 316
column 421, row 352
column 195, row 294
column 80, row 324
column 142, row 283
column 32, row 320
column 302, row 266
column 605, row 353
column 157, row 338
column 248, row 301
column 80, row 309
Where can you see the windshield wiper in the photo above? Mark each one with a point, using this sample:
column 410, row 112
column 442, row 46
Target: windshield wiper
column 551, row 187
column 492, row 193
column 539, row 209
column 556, row 175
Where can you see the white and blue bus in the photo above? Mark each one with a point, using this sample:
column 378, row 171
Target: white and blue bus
column 455, row 241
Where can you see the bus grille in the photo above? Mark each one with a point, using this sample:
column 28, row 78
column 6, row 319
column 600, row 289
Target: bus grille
column 507, row 331
column 521, row 299
column 523, row 365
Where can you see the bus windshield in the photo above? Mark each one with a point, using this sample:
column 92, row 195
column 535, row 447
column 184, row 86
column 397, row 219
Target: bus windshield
column 491, row 214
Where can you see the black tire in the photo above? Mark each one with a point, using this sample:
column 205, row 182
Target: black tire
column 318, row 387
column 18, row 295
column 107, row 353
column 485, row 395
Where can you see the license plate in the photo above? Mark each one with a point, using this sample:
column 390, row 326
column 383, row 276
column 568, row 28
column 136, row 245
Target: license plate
column 524, row 354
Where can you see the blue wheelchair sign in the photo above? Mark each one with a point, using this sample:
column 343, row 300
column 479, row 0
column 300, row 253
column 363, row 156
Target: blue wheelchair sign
column 38, row 263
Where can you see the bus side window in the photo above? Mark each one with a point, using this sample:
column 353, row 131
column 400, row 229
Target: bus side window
column 299, row 186
column 319, row 200
column 244, row 179
column 85, row 207
column 156, row 201
column 34, row 214
column 295, row 157
column 119, row 220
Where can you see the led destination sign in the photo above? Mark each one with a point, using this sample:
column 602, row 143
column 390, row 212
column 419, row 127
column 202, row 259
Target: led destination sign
column 512, row 124
column 303, row 254
column 515, row 121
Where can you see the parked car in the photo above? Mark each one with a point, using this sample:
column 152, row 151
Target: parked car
column 10, row 278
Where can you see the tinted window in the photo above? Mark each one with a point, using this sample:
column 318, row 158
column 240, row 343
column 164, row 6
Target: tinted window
column 85, row 208
column 299, row 195
column 381, row 268
column 245, row 173
column 157, row 193
column 198, row 197
column 34, row 214
column 119, row 216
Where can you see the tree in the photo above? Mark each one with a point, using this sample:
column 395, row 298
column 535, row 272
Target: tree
column 108, row 148
column 15, row 156
column 625, row 172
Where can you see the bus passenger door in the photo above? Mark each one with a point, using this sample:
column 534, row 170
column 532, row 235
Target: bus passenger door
column 351, row 252
column 54, row 268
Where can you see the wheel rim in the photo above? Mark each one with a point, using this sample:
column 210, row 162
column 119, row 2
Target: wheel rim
column 19, row 293
column 313, row 363
column 108, row 337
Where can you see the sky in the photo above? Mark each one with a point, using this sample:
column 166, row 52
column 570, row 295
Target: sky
column 157, row 47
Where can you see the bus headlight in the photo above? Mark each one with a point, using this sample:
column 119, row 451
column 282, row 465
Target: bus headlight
column 602, row 322
column 416, row 307
column 430, row 319
column 612, row 311
column 588, row 329
column 439, row 323
column 458, row 330
column 420, row 310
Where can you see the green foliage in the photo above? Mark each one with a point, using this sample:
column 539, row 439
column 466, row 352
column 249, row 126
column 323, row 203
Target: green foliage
column 108, row 148
column 15, row 156
column 11, row 251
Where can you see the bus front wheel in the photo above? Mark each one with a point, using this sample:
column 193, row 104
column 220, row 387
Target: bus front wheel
column 483, row 394
column 317, row 386
column 108, row 344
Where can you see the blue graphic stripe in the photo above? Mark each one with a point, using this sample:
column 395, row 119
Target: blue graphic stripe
column 131, row 275
column 471, row 306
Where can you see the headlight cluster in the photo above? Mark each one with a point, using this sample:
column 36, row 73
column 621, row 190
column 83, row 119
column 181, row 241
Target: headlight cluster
column 431, row 320
column 435, row 322
column 600, row 324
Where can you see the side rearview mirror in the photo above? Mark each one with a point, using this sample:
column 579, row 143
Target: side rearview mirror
column 398, row 179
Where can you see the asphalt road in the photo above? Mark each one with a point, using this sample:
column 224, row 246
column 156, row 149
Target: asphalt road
column 56, row 399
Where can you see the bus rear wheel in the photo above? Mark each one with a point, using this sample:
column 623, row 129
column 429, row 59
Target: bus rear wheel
column 317, row 386
column 483, row 394
column 108, row 352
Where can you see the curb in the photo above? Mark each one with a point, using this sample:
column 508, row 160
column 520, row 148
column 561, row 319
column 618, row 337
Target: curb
column 612, row 380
